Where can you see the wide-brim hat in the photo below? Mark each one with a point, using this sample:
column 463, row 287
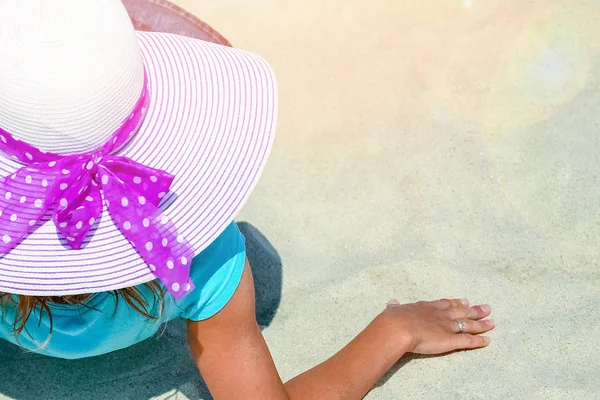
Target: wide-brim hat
column 72, row 72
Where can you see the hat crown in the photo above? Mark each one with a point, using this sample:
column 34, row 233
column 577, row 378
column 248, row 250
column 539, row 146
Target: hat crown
column 70, row 72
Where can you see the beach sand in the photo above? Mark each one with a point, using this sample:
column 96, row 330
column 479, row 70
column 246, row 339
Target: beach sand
column 425, row 149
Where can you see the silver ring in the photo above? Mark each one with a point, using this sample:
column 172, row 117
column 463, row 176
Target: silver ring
column 461, row 326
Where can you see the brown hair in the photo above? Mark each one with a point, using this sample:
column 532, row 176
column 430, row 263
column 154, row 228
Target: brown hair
column 25, row 305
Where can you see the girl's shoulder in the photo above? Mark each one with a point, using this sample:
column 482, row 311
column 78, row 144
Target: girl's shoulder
column 216, row 273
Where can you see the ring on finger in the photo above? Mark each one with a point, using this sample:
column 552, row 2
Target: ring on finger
column 461, row 326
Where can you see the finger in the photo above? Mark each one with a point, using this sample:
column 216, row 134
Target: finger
column 392, row 302
column 475, row 312
column 447, row 304
column 473, row 327
column 456, row 305
column 466, row 341
column 479, row 312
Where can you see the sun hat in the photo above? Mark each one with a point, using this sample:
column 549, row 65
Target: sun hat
column 123, row 153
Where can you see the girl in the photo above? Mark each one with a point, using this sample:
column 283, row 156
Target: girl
column 125, row 158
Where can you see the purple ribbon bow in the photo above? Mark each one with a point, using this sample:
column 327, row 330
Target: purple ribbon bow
column 73, row 186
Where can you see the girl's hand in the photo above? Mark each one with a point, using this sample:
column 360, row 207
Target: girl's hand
column 433, row 327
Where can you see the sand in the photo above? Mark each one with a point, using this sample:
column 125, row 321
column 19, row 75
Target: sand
column 425, row 149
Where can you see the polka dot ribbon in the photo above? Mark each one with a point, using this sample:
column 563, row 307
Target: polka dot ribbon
column 74, row 189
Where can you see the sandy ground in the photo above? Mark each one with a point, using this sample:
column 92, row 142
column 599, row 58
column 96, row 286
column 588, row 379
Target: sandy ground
column 434, row 149
column 425, row 149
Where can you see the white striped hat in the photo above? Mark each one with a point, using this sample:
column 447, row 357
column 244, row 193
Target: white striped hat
column 74, row 73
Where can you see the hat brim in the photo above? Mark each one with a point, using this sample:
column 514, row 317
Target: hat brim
column 210, row 122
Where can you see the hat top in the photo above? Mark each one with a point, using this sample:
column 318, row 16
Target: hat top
column 70, row 72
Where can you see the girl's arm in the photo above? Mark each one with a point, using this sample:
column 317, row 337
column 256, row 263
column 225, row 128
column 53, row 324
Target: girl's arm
column 236, row 364
column 231, row 353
